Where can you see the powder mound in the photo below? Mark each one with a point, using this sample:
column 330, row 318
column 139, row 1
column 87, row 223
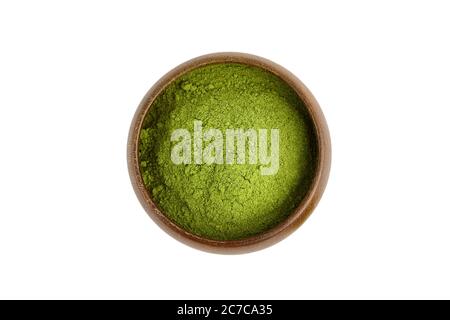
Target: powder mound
column 223, row 201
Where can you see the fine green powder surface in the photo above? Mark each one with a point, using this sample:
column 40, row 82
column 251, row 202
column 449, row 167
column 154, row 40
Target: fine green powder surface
column 227, row 201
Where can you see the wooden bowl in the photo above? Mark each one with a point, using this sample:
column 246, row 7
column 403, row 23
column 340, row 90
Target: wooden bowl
column 273, row 235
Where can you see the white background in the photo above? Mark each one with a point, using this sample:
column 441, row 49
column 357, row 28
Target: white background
column 73, row 73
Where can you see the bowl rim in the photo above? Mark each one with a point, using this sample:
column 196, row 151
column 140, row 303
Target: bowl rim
column 279, row 231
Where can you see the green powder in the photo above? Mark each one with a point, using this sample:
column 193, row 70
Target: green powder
column 227, row 201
